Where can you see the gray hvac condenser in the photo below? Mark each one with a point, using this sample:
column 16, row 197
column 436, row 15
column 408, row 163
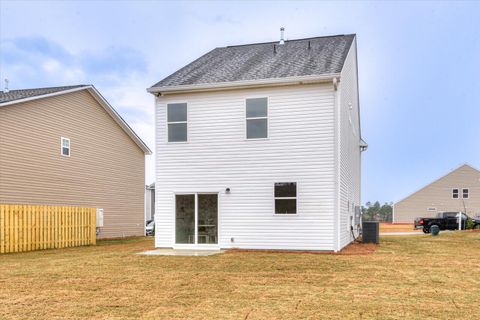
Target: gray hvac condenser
column 370, row 232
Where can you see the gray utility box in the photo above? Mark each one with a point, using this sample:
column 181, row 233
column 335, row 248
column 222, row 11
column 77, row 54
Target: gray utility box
column 371, row 232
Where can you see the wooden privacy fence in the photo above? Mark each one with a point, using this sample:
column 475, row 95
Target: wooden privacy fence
column 36, row 227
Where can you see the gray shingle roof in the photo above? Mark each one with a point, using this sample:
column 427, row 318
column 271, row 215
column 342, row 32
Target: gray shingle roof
column 302, row 57
column 13, row 95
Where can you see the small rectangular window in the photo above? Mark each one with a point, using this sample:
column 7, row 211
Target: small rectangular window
column 65, row 147
column 455, row 193
column 177, row 122
column 285, row 194
column 257, row 118
column 465, row 193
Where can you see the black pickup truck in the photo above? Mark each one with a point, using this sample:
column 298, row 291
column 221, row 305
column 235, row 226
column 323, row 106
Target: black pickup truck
column 445, row 221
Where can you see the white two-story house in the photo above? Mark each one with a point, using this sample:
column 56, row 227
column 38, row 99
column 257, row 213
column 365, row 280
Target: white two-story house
column 259, row 146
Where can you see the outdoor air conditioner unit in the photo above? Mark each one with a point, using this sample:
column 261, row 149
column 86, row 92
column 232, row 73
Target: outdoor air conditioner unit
column 370, row 232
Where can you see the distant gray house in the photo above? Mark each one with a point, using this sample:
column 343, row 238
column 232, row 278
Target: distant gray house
column 458, row 190
column 259, row 147
column 150, row 202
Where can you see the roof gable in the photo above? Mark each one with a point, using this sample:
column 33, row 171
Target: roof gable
column 455, row 171
column 24, row 95
column 295, row 58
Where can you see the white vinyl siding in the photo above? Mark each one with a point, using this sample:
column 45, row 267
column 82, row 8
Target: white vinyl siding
column 349, row 144
column 300, row 148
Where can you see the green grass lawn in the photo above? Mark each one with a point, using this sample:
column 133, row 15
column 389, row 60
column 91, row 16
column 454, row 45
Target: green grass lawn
column 408, row 277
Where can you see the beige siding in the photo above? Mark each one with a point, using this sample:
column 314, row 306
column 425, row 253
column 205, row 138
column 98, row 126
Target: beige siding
column 105, row 170
column 438, row 195
column 349, row 131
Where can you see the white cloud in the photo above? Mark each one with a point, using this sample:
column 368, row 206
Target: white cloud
column 51, row 66
column 131, row 95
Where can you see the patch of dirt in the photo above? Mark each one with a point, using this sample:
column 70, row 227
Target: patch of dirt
column 236, row 250
column 353, row 248
column 359, row 249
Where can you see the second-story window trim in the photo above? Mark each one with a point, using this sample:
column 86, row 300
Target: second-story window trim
column 256, row 113
column 455, row 193
column 65, row 147
column 177, row 122
column 465, row 193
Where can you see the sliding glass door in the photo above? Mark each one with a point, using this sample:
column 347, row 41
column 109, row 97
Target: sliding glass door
column 196, row 218
column 207, row 218
column 185, row 218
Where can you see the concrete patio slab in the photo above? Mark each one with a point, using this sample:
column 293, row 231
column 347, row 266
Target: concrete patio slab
column 181, row 252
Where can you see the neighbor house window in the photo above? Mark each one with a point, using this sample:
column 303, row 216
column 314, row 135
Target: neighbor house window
column 177, row 122
column 465, row 193
column 65, row 147
column 285, row 197
column 257, row 118
column 455, row 193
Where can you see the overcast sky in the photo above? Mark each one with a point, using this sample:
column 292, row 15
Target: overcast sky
column 419, row 66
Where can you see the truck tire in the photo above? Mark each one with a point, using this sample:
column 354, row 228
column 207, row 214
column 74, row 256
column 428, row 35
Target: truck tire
column 426, row 230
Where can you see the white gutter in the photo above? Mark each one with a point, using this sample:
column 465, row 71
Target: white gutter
column 244, row 84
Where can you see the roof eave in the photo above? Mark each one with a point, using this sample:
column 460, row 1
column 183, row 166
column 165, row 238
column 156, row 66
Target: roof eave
column 41, row 96
column 242, row 84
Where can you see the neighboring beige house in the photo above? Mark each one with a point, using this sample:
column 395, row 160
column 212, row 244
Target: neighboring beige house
column 68, row 146
column 459, row 190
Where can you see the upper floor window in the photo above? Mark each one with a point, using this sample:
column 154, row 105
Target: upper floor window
column 455, row 193
column 257, row 118
column 177, row 122
column 285, row 197
column 465, row 193
column 65, row 147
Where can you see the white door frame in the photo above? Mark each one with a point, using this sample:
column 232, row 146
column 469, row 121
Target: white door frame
column 195, row 245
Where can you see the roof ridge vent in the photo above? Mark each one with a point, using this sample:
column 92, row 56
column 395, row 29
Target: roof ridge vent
column 282, row 39
column 6, row 90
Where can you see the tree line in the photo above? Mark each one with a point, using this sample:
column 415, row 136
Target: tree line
column 377, row 212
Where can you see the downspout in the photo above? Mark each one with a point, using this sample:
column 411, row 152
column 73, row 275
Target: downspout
column 155, row 160
column 336, row 220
